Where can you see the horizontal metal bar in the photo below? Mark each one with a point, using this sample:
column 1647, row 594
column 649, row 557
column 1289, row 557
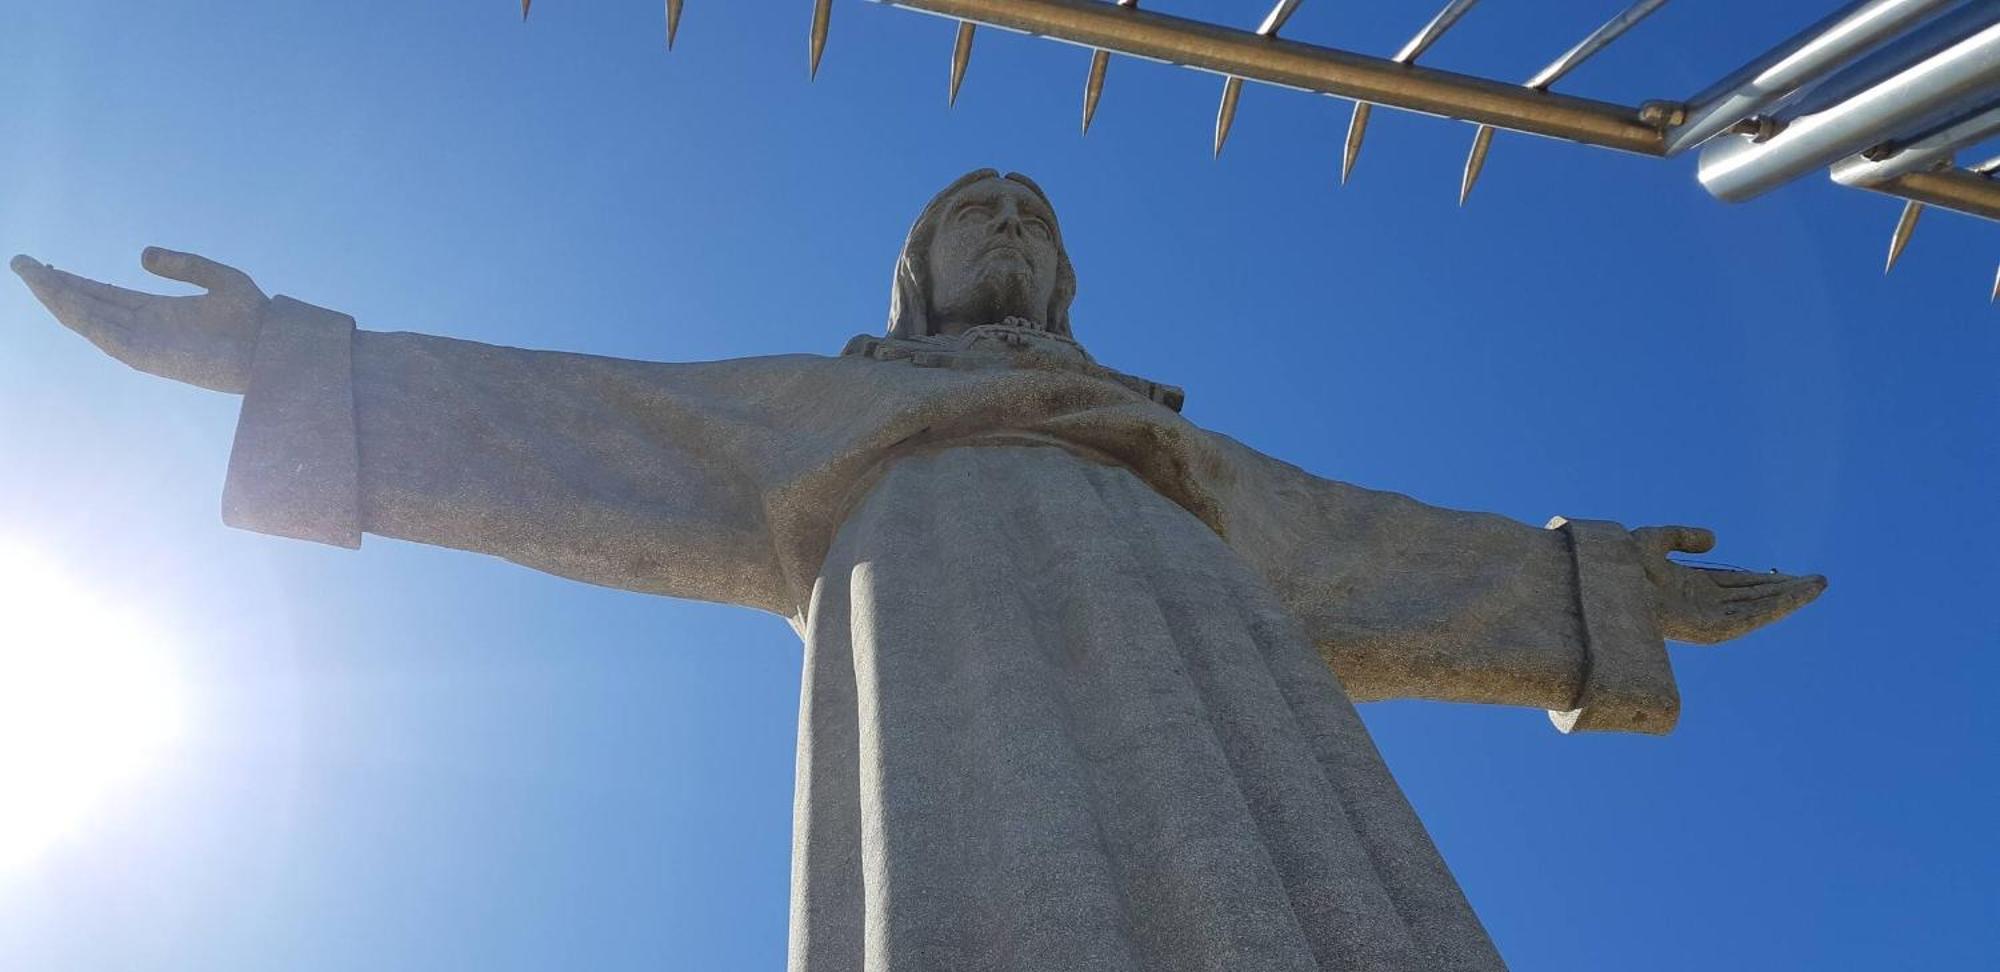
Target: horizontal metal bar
column 1806, row 57
column 1955, row 189
column 1241, row 53
column 1957, row 78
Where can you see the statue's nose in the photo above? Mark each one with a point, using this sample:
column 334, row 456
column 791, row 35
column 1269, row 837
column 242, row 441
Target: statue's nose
column 1007, row 219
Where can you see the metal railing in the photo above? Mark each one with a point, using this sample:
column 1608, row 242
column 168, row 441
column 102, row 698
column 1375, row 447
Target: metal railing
column 1881, row 92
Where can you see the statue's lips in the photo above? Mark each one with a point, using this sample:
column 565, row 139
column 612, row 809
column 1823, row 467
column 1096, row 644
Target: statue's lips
column 1008, row 249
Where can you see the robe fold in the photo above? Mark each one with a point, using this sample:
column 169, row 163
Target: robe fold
column 1079, row 675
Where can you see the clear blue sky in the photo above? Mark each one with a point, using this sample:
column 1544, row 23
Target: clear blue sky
column 411, row 758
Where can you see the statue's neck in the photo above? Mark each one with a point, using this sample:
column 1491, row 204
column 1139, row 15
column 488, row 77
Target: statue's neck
column 1004, row 346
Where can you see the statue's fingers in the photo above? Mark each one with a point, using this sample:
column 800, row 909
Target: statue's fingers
column 1738, row 584
column 1687, row 539
column 1666, row 539
column 1745, row 579
column 1780, row 599
column 83, row 305
column 195, row 269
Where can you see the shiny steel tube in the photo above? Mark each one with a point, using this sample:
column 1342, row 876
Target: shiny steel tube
column 1242, row 53
column 1919, row 44
column 1957, row 189
column 1815, row 51
column 1919, row 154
column 1964, row 74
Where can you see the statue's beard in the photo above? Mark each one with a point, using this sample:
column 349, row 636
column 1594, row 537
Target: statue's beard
column 997, row 296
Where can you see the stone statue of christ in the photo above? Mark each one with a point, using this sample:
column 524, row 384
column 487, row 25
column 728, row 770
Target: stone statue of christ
column 1079, row 676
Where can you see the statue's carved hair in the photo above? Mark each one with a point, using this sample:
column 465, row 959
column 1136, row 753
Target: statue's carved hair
column 910, row 298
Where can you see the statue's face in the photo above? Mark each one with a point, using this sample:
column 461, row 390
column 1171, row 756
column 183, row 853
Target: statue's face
column 994, row 256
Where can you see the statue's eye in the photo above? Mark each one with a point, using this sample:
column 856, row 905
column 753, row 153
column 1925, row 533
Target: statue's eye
column 972, row 211
column 1038, row 228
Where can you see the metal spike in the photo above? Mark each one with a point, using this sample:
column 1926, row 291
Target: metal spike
column 1225, row 114
column 1357, row 126
column 961, row 54
column 1280, row 13
column 524, row 8
column 1232, row 89
column 1432, row 31
column 1597, row 41
column 1475, row 161
column 1996, row 287
column 1583, row 51
column 1357, row 129
column 1093, row 85
column 821, row 11
column 673, row 21
column 1905, row 225
column 1095, row 81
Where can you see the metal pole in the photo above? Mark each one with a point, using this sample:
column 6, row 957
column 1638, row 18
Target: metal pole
column 1815, row 51
column 1308, row 67
column 1739, row 169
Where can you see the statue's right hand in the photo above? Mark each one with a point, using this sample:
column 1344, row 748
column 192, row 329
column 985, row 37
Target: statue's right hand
column 205, row 340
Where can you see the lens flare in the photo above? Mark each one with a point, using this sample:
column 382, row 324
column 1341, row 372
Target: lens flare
column 89, row 701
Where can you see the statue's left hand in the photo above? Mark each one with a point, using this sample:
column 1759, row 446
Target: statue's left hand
column 1702, row 605
column 205, row 340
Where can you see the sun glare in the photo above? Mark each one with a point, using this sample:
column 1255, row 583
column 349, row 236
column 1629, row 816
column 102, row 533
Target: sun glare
column 89, row 700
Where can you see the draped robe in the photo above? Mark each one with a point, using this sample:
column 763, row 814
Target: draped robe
column 1079, row 676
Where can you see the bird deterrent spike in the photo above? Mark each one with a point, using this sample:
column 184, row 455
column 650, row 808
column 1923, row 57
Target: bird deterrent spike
column 673, row 21
column 1093, row 82
column 1585, row 49
column 1232, row 89
column 524, row 8
column 1905, row 225
column 1225, row 114
column 1357, row 126
column 1996, row 287
column 961, row 55
column 1475, row 161
column 1093, row 85
column 821, row 11
column 1357, row 129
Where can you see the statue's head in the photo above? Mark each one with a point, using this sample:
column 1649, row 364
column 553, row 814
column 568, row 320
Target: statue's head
column 985, row 249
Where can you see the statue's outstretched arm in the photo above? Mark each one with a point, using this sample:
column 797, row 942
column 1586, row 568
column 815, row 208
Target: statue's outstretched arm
column 1408, row 600
column 622, row 473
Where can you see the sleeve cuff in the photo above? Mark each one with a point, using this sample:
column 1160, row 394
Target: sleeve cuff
column 295, row 470
column 1628, row 684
